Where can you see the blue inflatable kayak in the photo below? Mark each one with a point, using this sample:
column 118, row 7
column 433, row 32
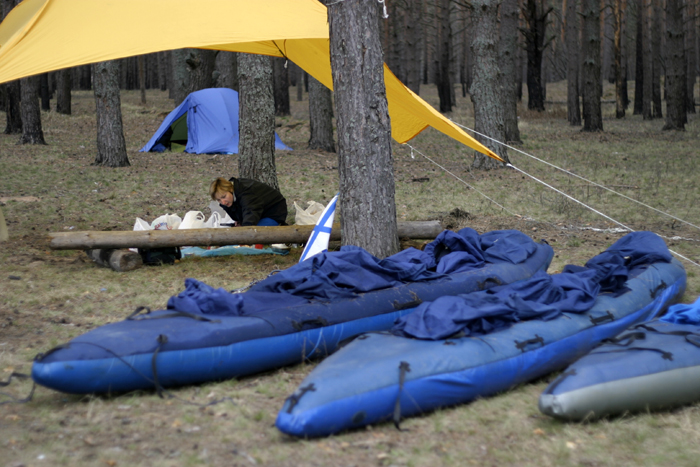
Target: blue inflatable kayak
column 651, row 366
column 302, row 312
column 380, row 376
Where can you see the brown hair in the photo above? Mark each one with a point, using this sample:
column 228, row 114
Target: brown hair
column 220, row 185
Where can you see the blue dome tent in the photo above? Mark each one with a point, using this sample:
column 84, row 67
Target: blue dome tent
column 205, row 123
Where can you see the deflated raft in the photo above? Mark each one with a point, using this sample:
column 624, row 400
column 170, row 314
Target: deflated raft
column 304, row 311
column 651, row 366
column 490, row 345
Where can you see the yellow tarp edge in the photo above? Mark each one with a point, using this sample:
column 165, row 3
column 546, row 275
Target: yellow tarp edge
column 45, row 35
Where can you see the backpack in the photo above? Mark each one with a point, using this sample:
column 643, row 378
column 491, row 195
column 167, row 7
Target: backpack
column 160, row 256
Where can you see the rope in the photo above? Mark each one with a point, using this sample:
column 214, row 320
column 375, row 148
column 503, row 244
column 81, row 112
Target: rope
column 579, row 177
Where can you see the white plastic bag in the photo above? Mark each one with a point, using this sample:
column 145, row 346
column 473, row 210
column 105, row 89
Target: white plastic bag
column 213, row 221
column 141, row 225
column 166, row 222
column 310, row 215
column 192, row 220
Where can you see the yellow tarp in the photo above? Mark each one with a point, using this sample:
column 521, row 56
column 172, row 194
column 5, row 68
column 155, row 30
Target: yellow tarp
column 44, row 35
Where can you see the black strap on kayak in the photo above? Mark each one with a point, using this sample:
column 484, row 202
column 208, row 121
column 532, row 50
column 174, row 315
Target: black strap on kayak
column 495, row 281
column 137, row 316
column 14, row 399
column 162, row 339
column 628, row 339
column 41, row 355
column 317, row 322
column 404, row 368
column 294, row 398
column 601, row 319
column 535, row 340
column 659, row 288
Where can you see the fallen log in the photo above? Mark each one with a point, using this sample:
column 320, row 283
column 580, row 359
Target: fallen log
column 85, row 240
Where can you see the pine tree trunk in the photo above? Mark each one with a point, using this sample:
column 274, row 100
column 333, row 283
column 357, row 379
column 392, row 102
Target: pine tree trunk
column 620, row 75
column 647, row 108
column 572, row 66
column 691, row 62
column 31, row 113
column 365, row 161
column 535, row 29
column 164, row 71
column 657, row 59
column 510, row 14
column 256, row 123
column 111, row 147
column 414, row 39
column 320, row 116
column 227, row 68
column 200, row 65
column 639, row 61
column 675, row 67
column 485, row 88
column 592, row 112
column 281, row 86
column 181, row 77
column 13, row 96
column 63, row 89
column 142, row 78
column 444, row 40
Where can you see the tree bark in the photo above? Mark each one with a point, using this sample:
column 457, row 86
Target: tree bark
column 534, row 32
column 200, row 65
column 639, row 61
column 572, row 65
column 280, row 78
column 592, row 112
column 31, row 113
column 111, row 147
column 620, row 72
column 181, row 77
column 227, row 70
column 510, row 14
column 365, row 161
column 690, row 55
column 485, row 89
column 63, row 91
column 676, row 101
column 657, row 59
column 414, row 39
column 13, row 112
column 142, row 78
column 256, row 123
column 444, row 42
column 647, row 107
column 320, row 117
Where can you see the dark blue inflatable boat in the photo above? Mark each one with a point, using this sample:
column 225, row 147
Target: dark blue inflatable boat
column 651, row 366
column 459, row 348
column 304, row 311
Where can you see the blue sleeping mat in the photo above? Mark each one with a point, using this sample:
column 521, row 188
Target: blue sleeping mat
column 211, row 334
column 651, row 366
column 380, row 376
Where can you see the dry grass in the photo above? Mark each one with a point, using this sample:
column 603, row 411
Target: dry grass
column 50, row 296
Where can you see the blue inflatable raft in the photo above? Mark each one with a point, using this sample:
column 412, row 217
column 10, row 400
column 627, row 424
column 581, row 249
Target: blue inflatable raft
column 302, row 312
column 651, row 366
column 380, row 376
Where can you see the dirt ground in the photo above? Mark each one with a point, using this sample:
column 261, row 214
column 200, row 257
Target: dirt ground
column 51, row 296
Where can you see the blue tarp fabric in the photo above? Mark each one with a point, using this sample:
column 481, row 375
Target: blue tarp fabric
column 540, row 297
column 352, row 270
column 683, row 313
column 212, row 123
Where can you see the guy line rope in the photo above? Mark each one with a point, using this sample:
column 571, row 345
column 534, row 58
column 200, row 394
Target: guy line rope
column 509, row 165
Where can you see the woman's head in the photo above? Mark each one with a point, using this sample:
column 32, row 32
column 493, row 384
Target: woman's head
column 221, row 190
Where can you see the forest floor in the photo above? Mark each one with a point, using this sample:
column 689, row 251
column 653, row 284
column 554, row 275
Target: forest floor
column 50, row 296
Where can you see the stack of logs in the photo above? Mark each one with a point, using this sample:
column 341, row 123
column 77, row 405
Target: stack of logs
column 110, row 249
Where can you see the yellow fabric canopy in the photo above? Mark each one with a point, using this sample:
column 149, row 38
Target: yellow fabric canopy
column 44, row 35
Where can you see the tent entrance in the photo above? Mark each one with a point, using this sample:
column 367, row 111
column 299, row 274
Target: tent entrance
column 175, row 137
